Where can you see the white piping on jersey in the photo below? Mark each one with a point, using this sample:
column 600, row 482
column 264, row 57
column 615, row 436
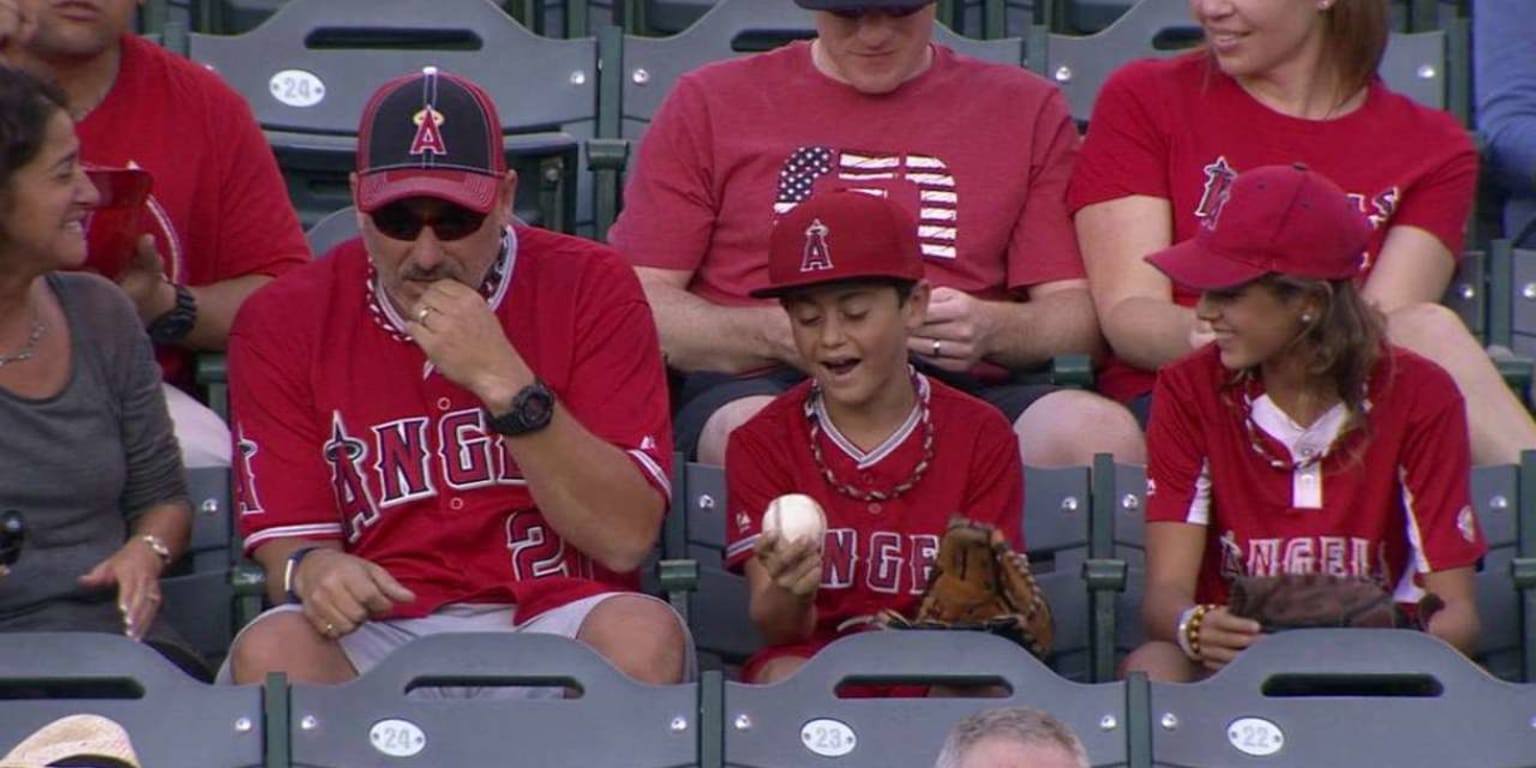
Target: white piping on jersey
column 287, row 531
column 654, row 469
column 745, row 545
column 884, row 449
column 1408, row 591
column 1302, row 443
column 507, row 259
column 1200, row 506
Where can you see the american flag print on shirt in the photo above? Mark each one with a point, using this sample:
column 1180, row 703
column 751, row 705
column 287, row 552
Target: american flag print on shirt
column 876, row 174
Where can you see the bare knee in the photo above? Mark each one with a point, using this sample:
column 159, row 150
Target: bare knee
column 642, row 637
column 1067, row 428
column 1162, row 662
column 777, row 670
column 285, row 642
column 718, row 428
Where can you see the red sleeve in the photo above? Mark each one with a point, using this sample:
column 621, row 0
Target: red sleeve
column 755, row 474
column 1441, row 201
column 1437, row 466
column 259, row 232
column 618, row 385
column 1126, row 150
column 1043, row 247
column 994, row 490
column 669, row 201
column 283, row 483
column 1178, row 469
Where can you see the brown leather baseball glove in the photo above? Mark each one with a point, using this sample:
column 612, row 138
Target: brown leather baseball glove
column 1301, row 601
column 980, row 583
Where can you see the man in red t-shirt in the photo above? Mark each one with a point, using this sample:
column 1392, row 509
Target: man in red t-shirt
column 979, row 155
column 889, row 453
column 452, row 423
column 218, row 214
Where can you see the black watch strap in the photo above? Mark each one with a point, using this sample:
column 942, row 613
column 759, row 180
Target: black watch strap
column 173, row 326
column 531, row 411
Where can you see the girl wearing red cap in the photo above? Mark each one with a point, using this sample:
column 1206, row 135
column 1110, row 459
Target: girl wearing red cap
column 1281, row 81
column 1299, row 441
column 888, row 453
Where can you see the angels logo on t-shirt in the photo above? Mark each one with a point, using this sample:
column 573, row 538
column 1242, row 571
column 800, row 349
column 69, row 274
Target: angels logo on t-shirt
column 919, row 182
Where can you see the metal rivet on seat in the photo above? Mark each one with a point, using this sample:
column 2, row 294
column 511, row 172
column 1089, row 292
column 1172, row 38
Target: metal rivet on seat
column 1130, row 501
column 309, row 723
column 242, row 725
column 1170, row 721
column 1108, row 723
column 743, row 723
column 1468, row 291
column 706, row 501
column 1529, row 291
column 1428, row 72
column 1063, row 74
column 1498, row 502
column 209, row 506
column 1069, row 504
column 1533, row 722
column 579, row 77
column 679, row 724
column 640, row 76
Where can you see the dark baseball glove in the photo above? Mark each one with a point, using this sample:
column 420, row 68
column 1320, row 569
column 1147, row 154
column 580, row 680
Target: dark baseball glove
column 1301, row 601
column 980, row 583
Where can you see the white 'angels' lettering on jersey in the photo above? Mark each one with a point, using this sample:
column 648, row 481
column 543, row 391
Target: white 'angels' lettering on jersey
column 346, row 455
column 401, row 461
column 1349, row 556
column 245, row 474
column 897, row 563
column 464, row 448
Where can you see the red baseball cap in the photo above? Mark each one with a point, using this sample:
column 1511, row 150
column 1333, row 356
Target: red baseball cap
column 1284, row 219
column 431, row 134
column 841, row 235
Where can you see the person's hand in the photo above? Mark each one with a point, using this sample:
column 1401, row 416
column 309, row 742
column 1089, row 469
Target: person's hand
column 793, row 566
column 1223, row 636
column 135, row 569
column 957, row 332
column 144, row 281
column 463, row 338
column 341, row 591
column 1201, row 334
column 18, row 23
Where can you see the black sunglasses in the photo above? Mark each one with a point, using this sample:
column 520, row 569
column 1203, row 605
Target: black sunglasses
column 854, row 14
column 401, row 221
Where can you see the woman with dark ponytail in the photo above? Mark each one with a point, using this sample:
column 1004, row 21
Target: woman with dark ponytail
column 1299, row 441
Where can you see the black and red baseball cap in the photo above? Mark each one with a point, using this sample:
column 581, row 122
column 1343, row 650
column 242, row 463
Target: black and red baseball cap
column 1284, row 219
column 841, row 235
column 431, row 134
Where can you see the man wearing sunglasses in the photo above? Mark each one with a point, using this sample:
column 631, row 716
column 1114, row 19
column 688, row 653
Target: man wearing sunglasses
column 452, row 423
column 979, row 154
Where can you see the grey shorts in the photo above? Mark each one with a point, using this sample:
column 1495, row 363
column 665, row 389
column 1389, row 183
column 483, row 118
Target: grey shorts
column 374, row 640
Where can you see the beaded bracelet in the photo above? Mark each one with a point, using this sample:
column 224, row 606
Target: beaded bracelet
column 1192, row 630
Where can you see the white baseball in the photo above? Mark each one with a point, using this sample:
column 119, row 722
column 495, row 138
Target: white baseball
column 795, row 516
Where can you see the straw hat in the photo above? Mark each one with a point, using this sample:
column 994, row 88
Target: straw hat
column 73, row 737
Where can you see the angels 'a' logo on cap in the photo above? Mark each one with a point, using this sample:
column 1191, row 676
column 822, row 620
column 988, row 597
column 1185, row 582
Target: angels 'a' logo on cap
column 817, row 256
column 429, row 133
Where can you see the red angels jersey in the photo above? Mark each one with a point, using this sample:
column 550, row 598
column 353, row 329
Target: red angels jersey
column 1388, row 501
column 877, row 554
column 344, row 431
column 1179, row 130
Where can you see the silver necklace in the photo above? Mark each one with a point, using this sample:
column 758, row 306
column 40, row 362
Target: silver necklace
column 30, row 347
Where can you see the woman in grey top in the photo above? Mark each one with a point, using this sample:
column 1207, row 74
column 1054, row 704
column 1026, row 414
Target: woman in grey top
column 87, row 455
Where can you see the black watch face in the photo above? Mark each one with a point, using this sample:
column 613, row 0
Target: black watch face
column 537, row 408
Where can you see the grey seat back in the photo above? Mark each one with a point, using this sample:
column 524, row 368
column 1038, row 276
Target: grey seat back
column 172, row 720
column 1415, row 65
column 717, row 610
column 199, row 599
column 333, row 230
column 1056, row 509
column 1467, row 295
column 1345, row 697
column 371, row 721
column 311, row 68
column 792, row 723
column 1496, row 499
column 1127, row 505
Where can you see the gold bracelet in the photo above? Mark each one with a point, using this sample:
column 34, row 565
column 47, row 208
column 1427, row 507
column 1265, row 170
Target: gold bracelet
column 1192, row 632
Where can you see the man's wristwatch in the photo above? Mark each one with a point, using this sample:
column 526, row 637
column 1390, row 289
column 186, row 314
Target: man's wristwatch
column 296, row 557
column 177, row 322
column 531, row 411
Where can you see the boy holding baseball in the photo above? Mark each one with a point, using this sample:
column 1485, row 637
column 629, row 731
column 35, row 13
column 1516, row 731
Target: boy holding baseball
column 888, row 453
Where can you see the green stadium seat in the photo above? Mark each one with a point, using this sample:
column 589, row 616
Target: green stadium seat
column 802, row 721
column 173, row 720
column 1056, row 517
column 1351, row 697
column 373, row 721
column 309, row 70
column 207, row 594
column 1496, row 498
